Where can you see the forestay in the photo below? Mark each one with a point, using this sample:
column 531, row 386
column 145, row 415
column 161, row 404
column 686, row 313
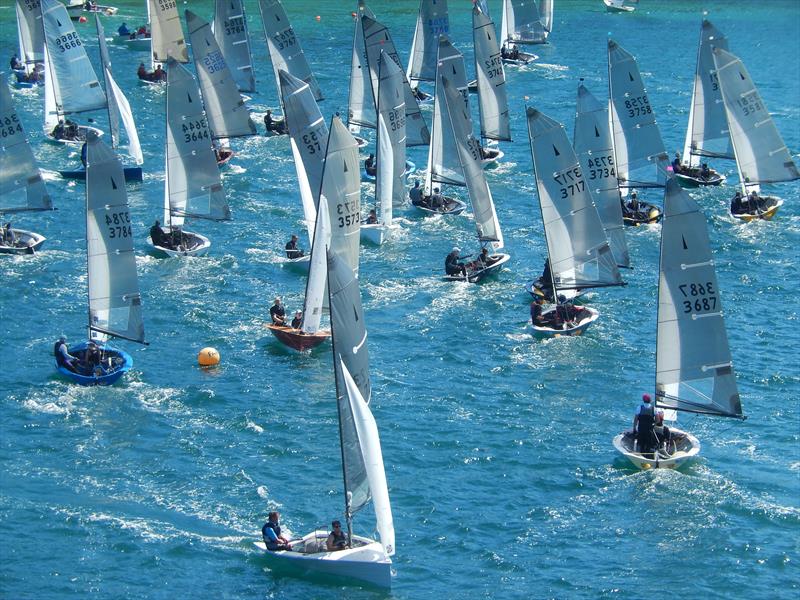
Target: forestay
column 761, row 155
column 391, row 143
column 231, row 33
column 492, row 97
column 21, row 185
column 707, row 134
column 284, row 47
column 522, row 23
column 115, row 306
column 166, row 33
column 594, row 148
column 226, row 112
column 640, row 157
column 580, row 256
column 193, row 185
column 468, row 150
column 30, row 32
column 693, row 362
column 317, row 271
column 377, row 40
column 432, row 21
column 361, row 104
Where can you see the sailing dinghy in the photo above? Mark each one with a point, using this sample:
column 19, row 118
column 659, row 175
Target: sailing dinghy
column 761, row 155
column 22, row 188
column 31, row 43
column 524, row 23
column 115, row 305
column 694, row 372
column 432, row 21
column 620, row 6
column 363, row 559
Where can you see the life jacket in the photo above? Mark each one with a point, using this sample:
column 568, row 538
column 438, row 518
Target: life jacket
column 274, row 526
column 339, row 539
column 57, row 354
column 647, row 417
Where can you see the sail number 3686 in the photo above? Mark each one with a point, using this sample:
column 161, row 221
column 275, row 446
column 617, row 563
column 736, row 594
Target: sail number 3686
column 699, row 297
column 119, row 225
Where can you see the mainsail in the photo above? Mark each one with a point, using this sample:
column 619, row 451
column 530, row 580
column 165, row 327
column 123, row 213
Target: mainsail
column 115, row 306
column 761, row 155
column 639, row 153
column 361, row 104
column 522, row 23
column 230, row 31
column 707, row 134
column 317, row 271
column 227, row 114
column 193, row 185
column 492, row 97
column 167, row 35
column 21, row 185
column 432, row 21
column 30, row 32
column 694, row 371
column 594, row 147
column 391, row 142
column 580, row 256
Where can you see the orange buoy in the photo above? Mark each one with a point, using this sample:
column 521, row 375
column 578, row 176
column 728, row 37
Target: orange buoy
column 318, row 18
column 208, row 357
column 81, row 19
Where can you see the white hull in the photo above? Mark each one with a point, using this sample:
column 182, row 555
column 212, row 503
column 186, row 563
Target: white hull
column 476, row 275
column 576, row 329
column 494, row 156
column 615, row 6
column 84, row 128
column 374, row 234
column 686, row 452
column 199, row 246
column 367, row 562
column 27, row 242
column 303, row 263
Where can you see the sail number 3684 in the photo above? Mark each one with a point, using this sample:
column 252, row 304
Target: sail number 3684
column 698, row 297
column 119, row 225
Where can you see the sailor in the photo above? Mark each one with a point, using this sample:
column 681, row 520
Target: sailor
column 59, row 131
column 142, row 73
column 661, row 432
column 278, row 313
column 271, row 124
column 157, row 235
column 737, row 204
column 676, row 163
column 159, row 74
column 271, row 532
column 9, row 238
column 142, row 30
column 536, row 312
column 63, row 357
column 415, row 194
column 337, row 540
column 123, row 30
column 633, row 204
column 483, row 259
column 16, row 63
column 436, row 200
column 754, row 202
column 369, row 165
column 372, row 219
column 91, row 359
column 418, row 93
column 451, row 264
column 292, row 251
column 705, row 172
column 298, row 319
column 643, row 425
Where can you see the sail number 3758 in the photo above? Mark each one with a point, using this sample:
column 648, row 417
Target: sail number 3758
column 698, row 297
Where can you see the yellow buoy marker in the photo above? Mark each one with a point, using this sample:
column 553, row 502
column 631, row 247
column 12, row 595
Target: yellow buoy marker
column 208, row 357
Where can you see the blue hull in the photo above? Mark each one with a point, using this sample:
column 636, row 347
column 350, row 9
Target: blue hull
column 131, row 174
column 120, row 363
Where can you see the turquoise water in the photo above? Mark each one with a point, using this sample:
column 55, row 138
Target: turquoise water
column 497, row 447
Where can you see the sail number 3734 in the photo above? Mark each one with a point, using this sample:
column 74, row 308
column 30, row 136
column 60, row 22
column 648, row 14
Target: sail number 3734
column 698, row 297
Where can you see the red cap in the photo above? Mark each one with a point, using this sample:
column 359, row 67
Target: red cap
column 646, row 397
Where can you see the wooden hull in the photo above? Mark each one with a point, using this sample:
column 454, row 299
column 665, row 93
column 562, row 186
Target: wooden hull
column 765, row 215
column 28, row 242
column 475, row 275
column 131, row 174
column 578, row 329
column 296, row 339
column 115, row 363
column 683, row 453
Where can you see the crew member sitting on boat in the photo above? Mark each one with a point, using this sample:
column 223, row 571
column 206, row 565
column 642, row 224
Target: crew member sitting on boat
column 755, row 203
column 633, row 203
column 537, row 318
column 676, row 164
column 369, row 166
column 482, row 261
column 157, row 235
column 278, row 127
column 16, row 63
column 436, row 201
column 337, row 540
column 738, row 204
column 451, row 264
column 8, row 237
column 142, row 30
column 63, row 357
column 158, row 75
column 415, row 194
column 372, row 219
column 292, row 251
column 298, row 319
column 705, row 172
column 278, row 313
column 510, row 54
column 92, row 360
column 661, row 432
column 643, row 422
column 67, row 130
column 271, row 532
column 419, row 94
column 123, row 30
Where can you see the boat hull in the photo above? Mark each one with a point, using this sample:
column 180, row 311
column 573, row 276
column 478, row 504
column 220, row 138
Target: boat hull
column 198, row 245
column 648, row 214
column 410, row 168
column 765, row 215
column 362, row 142
column 523, row 58
column 367, row 562
column 685, row 452
column 28, row 242
column 477, row 275
column 613, row 7
column 578, row 329
column 77, row 142
column 374, row 233
column 536, row 289
column 131, row 174
column 452, row 206
column 302, row 263
column 691, row 181
column 296, row 339
column 115, row 364
column 491, row 156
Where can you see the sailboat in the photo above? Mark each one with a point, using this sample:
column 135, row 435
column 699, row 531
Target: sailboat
column 761, row 155
column 432, row 21
column 166, row 39
column 71, row 85
column 118, row 108
column 22, row 188
column 31, row 41
column 487, row 225
column 578, row 251
column 192, row 187
column 231, row 33
column 360, row 101
column 694, row 372
column 363, row 559
column 138, row 39
column 639, row 154
column 524, row 23
column 707, row 134
column 620, row 6
column 391, row 151
column 491, row 85
column 115, row 305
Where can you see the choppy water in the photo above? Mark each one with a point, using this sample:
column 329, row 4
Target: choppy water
column 497, row 447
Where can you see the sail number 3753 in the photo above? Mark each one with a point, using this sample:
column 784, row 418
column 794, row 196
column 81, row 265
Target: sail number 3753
column 698, row 297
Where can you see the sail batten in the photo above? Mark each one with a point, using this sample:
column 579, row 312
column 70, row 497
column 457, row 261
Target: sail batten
column 391, row 143
column 231, row 33
column 166, row 33
column 492, row 95
column 361, row 100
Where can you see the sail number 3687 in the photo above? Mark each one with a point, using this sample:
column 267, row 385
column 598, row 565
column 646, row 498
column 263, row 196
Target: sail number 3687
column 119, row 225
column 698, row 297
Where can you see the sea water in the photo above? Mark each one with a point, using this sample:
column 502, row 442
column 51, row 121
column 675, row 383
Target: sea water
column 497, row 447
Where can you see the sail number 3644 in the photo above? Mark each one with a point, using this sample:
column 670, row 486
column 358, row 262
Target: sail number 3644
column 698, row 297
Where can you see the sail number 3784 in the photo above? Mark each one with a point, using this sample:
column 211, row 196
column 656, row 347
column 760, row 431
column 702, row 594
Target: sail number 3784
column 119, row 225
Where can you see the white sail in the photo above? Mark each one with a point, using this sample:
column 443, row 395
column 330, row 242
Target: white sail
column 377, row 40
column 166, row 33
column 30, row 32
column 230, row 31
column 594, row 147
column 341, row 186
column 761, row 155
column 284, row 47
column 707, row 134
column 694, row 371
column 580, row 256
column 370, row 445
column 468, row 150
column 443, row 163
column 546, row 14
column 21, row 185
column 193, row 185
column 105, row 68
column 522, row 23
column 361, row 103
column 71, row 77
column 391, row 143
column 492, row 97
column 126, row 114
column 432, row 21
column 318, row 271
column 227, row 114
column 638, row 148
column 115, row 306
column 309, row 134
column 51, row 115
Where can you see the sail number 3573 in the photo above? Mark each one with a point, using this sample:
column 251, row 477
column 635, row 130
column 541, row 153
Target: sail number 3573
column 119, row 225
column 698, row 297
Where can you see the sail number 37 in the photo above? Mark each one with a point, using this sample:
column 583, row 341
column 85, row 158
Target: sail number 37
column 698, row 297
